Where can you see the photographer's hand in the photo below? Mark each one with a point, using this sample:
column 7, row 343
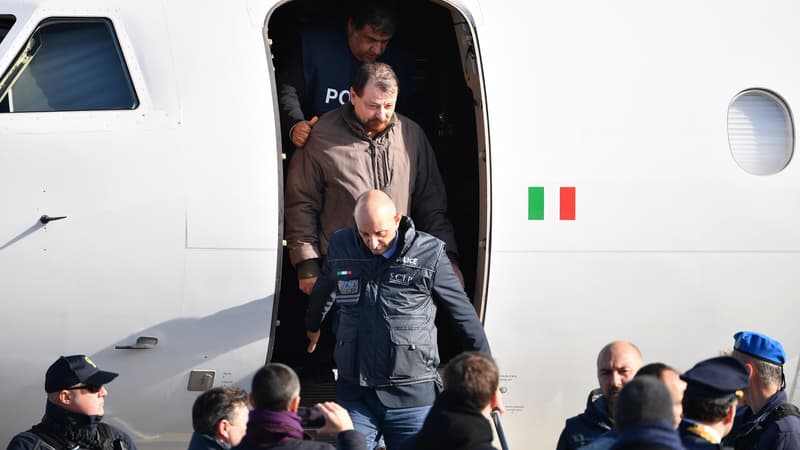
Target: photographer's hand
column 336, row 418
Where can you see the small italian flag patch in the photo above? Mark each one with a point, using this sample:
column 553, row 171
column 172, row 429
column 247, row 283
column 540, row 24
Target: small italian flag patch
column 566, row 195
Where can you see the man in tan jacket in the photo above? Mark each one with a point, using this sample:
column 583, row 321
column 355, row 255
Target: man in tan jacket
column 361, row 146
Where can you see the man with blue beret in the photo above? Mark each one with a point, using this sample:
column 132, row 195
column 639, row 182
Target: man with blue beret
column 709, row 402
column 769, row 421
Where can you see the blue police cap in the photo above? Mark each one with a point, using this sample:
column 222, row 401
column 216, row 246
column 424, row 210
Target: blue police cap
column 68, row 371
column 760, row 346
column 715, row 378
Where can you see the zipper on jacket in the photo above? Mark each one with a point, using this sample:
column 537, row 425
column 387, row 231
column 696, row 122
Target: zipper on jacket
column 373, row 154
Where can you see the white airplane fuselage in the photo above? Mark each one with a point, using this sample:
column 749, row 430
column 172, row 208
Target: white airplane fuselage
column 174, row 216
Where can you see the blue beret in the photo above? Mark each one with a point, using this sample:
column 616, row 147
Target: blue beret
column 718, row 377
column 760, row 346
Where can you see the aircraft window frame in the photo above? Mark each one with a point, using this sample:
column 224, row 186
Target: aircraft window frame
column 760, row 131
column 6, row 22
column 93, row 76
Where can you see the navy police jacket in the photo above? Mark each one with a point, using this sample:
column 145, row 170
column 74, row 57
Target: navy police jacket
column 772, row 428
column 385, row 335
column 584, row 428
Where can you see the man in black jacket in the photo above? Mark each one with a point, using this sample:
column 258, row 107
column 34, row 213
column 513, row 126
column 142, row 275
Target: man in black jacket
column 274, row 422
column 219, row 418
column 384, row 274
column 617, row 364
column 459, row 419
column 76, row 395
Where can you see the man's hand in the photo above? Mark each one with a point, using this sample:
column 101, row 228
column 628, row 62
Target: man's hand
column 302, row 130
column 307, row 285
column 336, row 418
column 313, row 338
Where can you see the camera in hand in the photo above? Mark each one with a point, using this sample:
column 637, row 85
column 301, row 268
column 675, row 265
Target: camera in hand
column 310, row 417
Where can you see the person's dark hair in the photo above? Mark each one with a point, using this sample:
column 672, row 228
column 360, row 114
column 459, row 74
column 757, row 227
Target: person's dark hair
column 644, row 399
column 474, row 375
column 274, row 386
column 382, row 74
column 655, row 369
column 214, row 405
column 709, row 410
column 380, row 15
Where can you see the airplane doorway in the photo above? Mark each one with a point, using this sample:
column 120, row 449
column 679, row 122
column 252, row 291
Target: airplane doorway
column 445, row 96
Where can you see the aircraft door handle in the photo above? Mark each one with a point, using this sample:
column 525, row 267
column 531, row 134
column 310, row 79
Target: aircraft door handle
column 45, row 219
column 142, row 343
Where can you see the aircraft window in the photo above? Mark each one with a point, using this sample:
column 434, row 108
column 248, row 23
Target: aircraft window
column 760, row 132
column 69, row 65
column 5, row 25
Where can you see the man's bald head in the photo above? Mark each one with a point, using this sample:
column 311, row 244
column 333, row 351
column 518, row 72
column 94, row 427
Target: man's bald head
column 377, row 220
column 617, row 363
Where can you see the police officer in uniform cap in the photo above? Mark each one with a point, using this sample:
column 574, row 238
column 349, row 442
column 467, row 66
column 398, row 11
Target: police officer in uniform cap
column 709, row 402
column 768, row 421
column 74, row 410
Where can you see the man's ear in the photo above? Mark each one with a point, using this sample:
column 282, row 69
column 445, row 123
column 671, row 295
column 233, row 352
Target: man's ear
column 496, row 399
column 65, row 397
column 751, row 373
column 294, row 404
column 731, row 414
column 397, row 219
column 222, row 430
column 352, row 94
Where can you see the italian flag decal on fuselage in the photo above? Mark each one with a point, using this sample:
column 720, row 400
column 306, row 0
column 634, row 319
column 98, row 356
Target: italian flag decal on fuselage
column 536, row 203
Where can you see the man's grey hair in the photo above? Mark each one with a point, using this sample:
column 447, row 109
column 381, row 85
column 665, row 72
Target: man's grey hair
column 768, row 374
column 274, row 387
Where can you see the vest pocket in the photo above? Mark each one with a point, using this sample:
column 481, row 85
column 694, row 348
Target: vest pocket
column 411, row 352
column 346, row 349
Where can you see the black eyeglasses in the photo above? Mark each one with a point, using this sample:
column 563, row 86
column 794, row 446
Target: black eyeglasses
column 93, row 388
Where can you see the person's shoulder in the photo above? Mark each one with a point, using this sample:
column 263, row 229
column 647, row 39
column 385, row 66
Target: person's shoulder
column 427, row 238
column 322, row 29
column 343, row 242
column 23, row 441
column 329, row 123
column 119, row 434
column 348, row 235
column 574, row 421
column 789, row 423
column 407, row 124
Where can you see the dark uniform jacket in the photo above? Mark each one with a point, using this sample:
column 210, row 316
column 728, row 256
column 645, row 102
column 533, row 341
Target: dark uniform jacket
column 385, row 334
column 778, row 429
column 202, row 441
column 582, row 429
column 658, row 435
column 71, row 429
column 693, row 438
column 454, row 423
